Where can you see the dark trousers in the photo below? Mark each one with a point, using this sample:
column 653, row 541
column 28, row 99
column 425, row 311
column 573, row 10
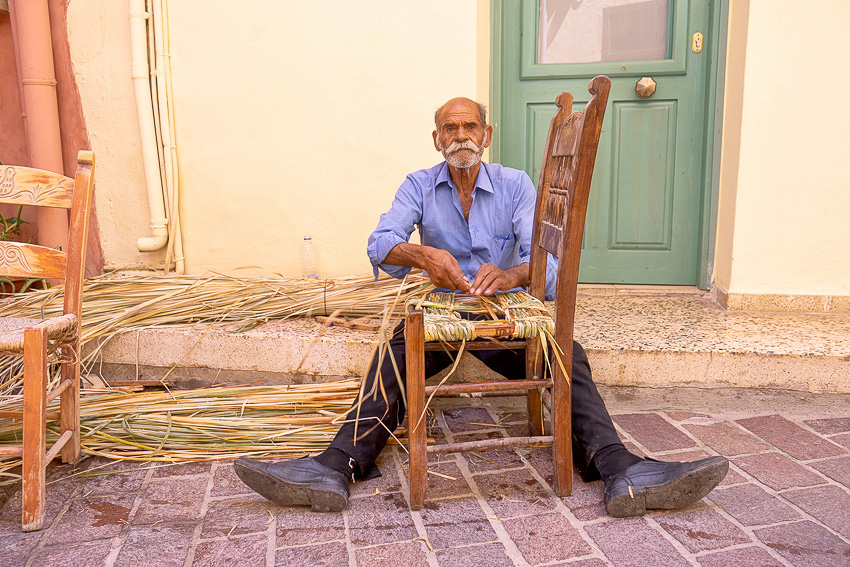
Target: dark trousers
column 592, row 426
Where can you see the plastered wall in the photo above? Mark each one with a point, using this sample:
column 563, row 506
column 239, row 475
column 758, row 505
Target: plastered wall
column 299, row 118
column 292, row 117
column 785, row 182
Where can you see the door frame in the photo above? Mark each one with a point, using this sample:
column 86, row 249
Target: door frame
column 716, row 50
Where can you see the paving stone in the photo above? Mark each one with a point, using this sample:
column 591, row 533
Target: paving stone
column 545, row 538
column 678, row 415
column 183, row 469
column 226, row 483
column 160, row 545
column 249, row 551
column 842, row 439
column 699, row 528
column 299, row 526
column 830, row 425
column 727, row 439
column 467, row 419
column 653, row 432
column 742, row 557
column 387, row 482
column 56, row 500
column 828, row 504
column 439, row 487
column 17, row 547
column 110, row 477
column 332, row 554
column 92, row 518
column 91, row 554
column 409, row 554
column 594, row 562
column 494, row 459
column 791, row 438
column 633, row 543
column 777, row 471
column 732, row 477
column 587, row 500
column 491, row 555
column 514, row 493
column 805, row 544
column 751, row 505
column 456, row 522
column 836, row 469
column 171, row 499
column 384, row 518
column 238, row 516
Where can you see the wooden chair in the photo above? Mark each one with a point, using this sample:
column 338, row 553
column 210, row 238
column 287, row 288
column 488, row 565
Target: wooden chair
column 559, row 224
column 29, row 337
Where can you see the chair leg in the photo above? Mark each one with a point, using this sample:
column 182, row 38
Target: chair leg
column 562, row 447
column 34, row 428
column 533, row 368
column 417, row 424
column 69, row 417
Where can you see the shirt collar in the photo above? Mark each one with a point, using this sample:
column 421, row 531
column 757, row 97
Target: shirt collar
column 483, row 182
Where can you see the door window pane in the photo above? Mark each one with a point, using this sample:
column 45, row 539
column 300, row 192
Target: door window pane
column 587, row 31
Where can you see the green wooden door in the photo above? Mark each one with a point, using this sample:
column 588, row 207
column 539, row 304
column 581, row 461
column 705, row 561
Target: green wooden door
column 646, row 204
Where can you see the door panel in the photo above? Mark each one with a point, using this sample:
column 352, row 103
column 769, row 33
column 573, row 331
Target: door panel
column 643, row 222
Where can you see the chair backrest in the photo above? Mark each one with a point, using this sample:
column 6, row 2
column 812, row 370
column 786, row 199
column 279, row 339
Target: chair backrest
column 562, row 200
column 39, row 188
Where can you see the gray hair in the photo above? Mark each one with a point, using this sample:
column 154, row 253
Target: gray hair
column 482, row 115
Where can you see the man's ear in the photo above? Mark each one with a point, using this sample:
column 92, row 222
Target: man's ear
column 488, row 136
column 436, row 144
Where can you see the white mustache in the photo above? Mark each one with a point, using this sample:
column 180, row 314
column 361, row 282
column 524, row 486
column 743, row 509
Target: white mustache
column 466, row 145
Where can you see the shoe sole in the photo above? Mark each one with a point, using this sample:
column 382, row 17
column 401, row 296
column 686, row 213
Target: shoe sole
column 679, row 493
column 319, row 497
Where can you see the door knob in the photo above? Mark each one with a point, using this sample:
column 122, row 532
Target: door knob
column 645, row 87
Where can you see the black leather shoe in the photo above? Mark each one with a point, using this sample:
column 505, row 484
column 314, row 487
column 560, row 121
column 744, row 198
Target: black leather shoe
column 654, row 484
column 300, row 482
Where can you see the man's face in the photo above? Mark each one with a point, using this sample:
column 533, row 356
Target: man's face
column 460, row 134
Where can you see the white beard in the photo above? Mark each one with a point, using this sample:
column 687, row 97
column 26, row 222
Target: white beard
column 462, row 155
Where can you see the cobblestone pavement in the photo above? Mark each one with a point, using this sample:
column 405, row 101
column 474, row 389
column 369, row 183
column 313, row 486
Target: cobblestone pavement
column 786, row 501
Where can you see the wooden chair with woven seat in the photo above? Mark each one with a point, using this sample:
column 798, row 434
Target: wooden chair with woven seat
column 30, row 337
column 559, row 224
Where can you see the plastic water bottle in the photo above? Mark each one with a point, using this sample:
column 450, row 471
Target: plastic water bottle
column 309, row 259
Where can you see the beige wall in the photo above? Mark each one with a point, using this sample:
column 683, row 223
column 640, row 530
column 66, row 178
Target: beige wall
column 785, row 182
column 99, row 40
column 293, row 118
column 304, row 117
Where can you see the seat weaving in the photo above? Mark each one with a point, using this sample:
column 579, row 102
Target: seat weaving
column 12, row 330
column 455, row 317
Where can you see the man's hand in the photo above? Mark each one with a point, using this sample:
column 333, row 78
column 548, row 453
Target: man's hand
column 444, row 271
column 441, row 266
column 491, row 278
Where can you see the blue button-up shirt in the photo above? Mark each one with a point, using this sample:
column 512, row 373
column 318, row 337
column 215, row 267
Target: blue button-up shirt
column 498, row 232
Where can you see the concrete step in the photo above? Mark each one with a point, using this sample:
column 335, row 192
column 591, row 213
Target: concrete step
column 643, row 337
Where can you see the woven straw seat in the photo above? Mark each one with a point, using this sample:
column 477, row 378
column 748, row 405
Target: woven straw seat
column 47, row 342
column 457, row 317
column 518, row 321
column 12, row 330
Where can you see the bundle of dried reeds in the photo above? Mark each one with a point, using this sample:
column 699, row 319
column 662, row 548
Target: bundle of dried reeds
column 114, row 304
column 214, row 422
column 203, row 424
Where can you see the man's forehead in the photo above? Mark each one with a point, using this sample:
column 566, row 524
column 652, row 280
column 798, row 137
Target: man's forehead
column 459, row 109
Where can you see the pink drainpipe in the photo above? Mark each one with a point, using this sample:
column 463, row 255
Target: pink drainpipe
column 34, row 50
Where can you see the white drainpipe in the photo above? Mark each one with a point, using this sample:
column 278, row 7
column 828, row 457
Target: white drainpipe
column 144, row 108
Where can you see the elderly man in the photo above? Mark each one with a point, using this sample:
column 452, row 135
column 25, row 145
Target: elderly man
column 475, row 223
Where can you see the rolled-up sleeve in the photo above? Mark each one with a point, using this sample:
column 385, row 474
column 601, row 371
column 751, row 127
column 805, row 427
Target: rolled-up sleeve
column 395, row 227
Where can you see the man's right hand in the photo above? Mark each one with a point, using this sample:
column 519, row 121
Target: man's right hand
column 444, row 271
column 441, row 266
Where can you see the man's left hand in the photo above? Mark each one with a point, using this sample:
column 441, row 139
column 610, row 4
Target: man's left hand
column 490, row 279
